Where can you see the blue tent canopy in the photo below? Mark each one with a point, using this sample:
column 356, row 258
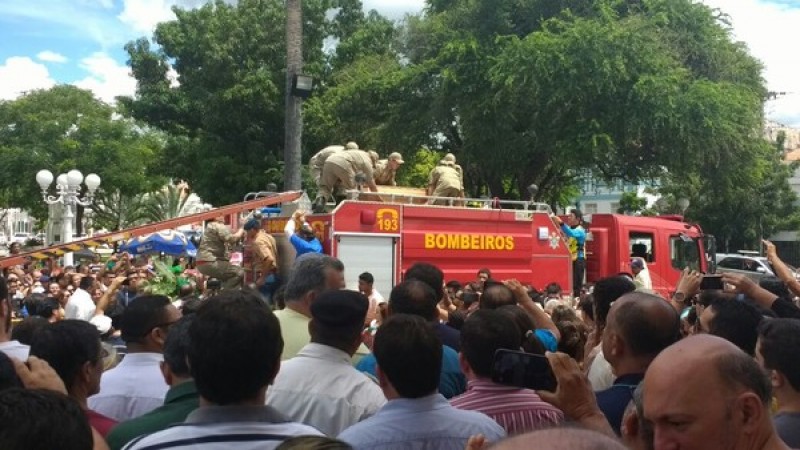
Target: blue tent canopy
column 168, row 242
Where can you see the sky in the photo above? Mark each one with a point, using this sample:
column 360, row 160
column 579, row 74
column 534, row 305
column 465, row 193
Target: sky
column 80, row 42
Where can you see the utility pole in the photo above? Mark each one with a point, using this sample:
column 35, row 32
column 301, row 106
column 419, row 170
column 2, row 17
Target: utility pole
column 294, row 118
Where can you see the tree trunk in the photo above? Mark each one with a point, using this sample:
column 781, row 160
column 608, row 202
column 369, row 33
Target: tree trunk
column 294, row 119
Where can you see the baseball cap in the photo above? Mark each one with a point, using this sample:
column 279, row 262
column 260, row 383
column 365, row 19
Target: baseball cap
column 251, row 224
column 397, row 157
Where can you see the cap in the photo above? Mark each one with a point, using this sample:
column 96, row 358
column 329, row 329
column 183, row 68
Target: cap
column 340, row 309
column 44, row 279
column 396, row 157
column 373, row 155
column 637, row 263
column 351, row 146
column 251, row 224
column 449, row 158
column 102, row 323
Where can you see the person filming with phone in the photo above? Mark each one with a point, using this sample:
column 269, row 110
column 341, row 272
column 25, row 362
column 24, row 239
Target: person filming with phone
column 516, row 409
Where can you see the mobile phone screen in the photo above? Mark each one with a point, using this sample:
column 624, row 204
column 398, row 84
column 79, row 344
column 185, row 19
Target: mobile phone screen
column 524, row 370
column 711, row 282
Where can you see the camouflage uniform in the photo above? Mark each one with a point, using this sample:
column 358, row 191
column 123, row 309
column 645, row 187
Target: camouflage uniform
column 340, row 171
column 212, row 255
column 384, row 175
column 317, row 161
column 446, row 181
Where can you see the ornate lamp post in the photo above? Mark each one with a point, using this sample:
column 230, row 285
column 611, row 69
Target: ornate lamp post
column 68, row 187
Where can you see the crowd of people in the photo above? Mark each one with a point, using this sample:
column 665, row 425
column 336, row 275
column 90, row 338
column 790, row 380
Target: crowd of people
column 89, row 360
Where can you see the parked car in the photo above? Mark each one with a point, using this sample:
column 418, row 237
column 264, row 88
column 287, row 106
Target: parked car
column 753, row 266
column 21, row 238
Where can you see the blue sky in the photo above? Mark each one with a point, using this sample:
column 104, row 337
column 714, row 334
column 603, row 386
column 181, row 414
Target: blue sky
column 43, row 42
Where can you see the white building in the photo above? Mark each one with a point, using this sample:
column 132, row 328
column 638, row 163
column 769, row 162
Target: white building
column 600, row 197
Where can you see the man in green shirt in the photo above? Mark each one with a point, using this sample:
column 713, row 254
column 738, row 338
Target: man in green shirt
column 182, row 397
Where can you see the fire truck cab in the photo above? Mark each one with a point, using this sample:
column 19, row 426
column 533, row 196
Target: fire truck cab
column 665, row 243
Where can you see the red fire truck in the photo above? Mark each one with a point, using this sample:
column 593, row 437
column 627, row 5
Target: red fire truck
column 513, row 239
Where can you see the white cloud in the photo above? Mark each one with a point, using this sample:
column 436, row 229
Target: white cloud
column 143, row 15
column 768, row 29
column 107, row 78
column 395, row 9
column 50, row 56
column 20, row 74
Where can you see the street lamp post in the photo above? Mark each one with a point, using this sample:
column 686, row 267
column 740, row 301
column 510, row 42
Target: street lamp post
column 68, row 187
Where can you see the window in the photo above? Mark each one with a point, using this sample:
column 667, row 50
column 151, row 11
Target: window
column 731, row 263
column 684, row 252
column 590, row 208
column 642, row 245
column 615, row 207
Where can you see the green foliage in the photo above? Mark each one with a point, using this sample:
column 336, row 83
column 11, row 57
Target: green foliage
column 64, row 128
column 417, row 168
column 114, row 210
column 226, row 116
column 166, row 203
column 631, row 203
column 164, row 282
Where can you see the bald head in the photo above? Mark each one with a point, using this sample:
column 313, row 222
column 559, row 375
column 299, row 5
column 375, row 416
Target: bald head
column 730, row 365
column 560, row 439
column 646, row 323
column 716, row 392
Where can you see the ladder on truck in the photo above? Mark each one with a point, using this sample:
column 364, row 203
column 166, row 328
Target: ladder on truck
column 107, row 238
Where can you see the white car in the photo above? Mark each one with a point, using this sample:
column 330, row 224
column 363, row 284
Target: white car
column 21, row 238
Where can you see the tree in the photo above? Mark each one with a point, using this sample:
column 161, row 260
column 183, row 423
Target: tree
column 226, row 113
column 169, row 202
column 631, row 203
column 66, row 128
column 525, row 91
column 115, row 211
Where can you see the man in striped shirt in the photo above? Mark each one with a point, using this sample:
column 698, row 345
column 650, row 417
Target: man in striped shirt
column 516, row 410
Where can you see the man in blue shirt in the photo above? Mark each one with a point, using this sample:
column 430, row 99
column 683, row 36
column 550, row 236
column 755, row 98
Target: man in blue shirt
column 415, row 297
column 409, row 355
column 302, row 236
column 638, row 327
column 576, row 239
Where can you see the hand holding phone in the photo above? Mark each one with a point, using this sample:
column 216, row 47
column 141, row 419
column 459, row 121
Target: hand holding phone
column 524, row 370
column 711, row 282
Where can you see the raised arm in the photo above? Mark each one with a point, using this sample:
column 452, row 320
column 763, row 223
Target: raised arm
column 540, row 319
column 782, row 271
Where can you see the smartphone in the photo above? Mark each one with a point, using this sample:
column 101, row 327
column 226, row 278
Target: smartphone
column 523, row 370
column 711, row 282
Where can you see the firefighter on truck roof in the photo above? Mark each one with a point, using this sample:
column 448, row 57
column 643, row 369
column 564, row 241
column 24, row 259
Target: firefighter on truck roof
column 446, row 180
column 386, row 169
column 339, row 172
column 317, row 162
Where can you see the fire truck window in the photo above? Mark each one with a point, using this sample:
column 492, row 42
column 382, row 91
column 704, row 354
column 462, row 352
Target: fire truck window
column 684, row 253
column 642, row 246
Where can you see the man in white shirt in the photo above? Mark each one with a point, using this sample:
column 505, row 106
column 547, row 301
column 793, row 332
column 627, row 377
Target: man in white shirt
column 136, row 386
column 365, row 286
column 641, row 276
column 80, row 305
column 11, row 348
column 320, row 387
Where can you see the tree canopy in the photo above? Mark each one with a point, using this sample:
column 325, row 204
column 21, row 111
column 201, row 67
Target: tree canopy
column 521, row 91
column 66, row 128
